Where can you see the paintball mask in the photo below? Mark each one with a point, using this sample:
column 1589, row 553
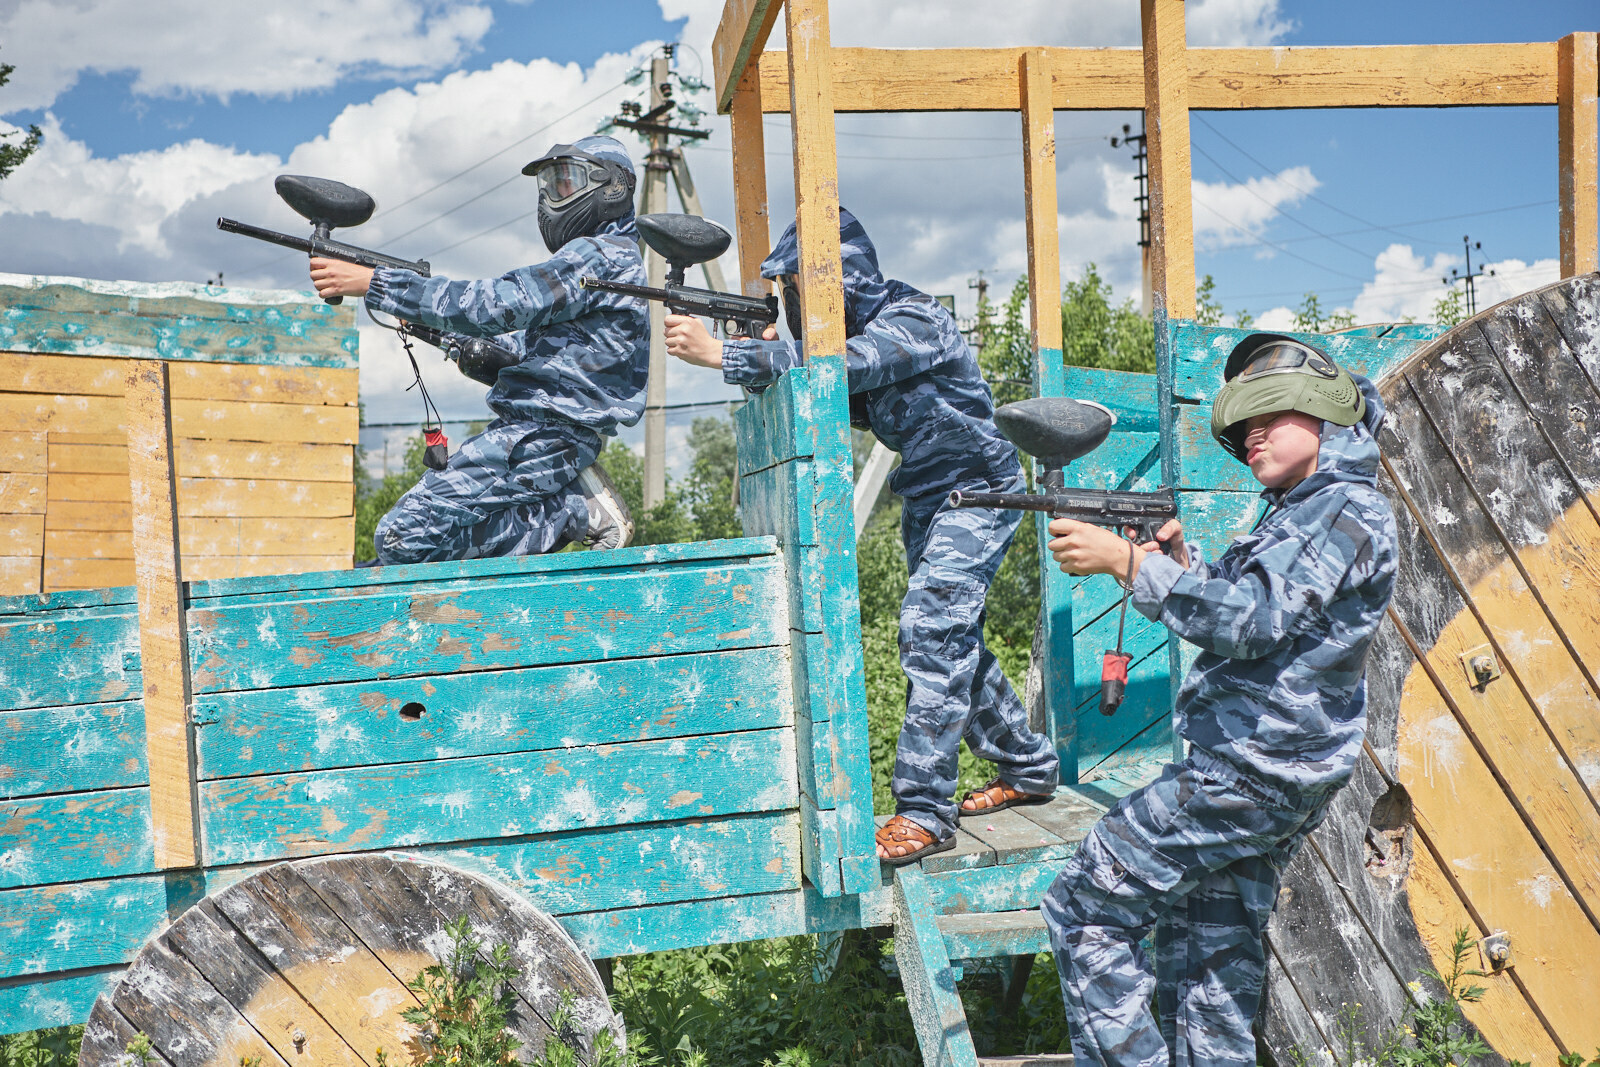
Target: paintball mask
column 1268, row 372
column 578, row 193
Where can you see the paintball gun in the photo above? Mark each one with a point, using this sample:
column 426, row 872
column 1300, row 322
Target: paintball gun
column 684, row 241
column 326, row 204
column 1056, row 431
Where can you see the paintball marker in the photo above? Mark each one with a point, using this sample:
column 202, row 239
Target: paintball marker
column 326, row 204
column 684, row 241
column 1056, row 431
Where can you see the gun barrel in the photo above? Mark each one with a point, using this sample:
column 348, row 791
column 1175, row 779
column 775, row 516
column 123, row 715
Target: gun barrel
column 319, row 246
column 687, row 300
column 1000, row 501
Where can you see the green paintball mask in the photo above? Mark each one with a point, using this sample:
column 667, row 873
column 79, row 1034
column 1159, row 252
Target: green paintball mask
column 1268, row 372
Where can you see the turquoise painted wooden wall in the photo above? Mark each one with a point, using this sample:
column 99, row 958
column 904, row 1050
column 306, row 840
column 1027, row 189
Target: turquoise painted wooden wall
column 1162, row 437
column 662, row 746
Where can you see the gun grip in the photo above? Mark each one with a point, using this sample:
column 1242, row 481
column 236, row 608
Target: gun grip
column 333, row 300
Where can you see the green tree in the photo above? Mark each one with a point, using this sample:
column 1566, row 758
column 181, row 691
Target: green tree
column 1243, row 320
column 1096, row 334
column 1309, row 316
column 12, row 153
column 1450, row 309
column 1207, row 309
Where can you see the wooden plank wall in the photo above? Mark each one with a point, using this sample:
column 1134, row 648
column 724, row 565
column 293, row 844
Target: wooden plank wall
column 409, row 708
column 265, row 421
column 795, row 485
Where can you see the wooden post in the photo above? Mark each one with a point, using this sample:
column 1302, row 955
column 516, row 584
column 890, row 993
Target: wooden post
column 1578, row 104
column 751, row 218
column 653, row 198
column 163, row 638
column 816, row 176
column 1166, row 115
column 1039, row 189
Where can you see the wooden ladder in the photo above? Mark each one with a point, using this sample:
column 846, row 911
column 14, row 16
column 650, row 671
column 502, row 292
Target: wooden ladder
column 980, row 902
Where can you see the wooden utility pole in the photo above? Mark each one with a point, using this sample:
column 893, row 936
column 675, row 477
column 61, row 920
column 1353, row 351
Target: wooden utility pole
column 652, row 199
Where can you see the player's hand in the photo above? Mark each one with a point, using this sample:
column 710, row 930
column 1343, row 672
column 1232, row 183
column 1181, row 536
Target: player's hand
column 1082, row 548
column 769, row 334
column 335, row 277
column 1171, row 536
column 688, row 339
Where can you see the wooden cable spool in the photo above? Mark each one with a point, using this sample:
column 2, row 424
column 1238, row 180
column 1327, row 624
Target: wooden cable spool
column 309, row 962
column 1478, row 803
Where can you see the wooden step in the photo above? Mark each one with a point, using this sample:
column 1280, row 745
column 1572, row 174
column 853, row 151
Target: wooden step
column 1062, row 1059
column 974, row 936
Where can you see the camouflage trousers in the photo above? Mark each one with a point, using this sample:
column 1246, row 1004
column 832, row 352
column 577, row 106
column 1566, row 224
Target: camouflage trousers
column 1196, row 854
column 508, row 491
column 955, row 689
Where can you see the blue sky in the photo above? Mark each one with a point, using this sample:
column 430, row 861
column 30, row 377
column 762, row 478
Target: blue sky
column 151, row 134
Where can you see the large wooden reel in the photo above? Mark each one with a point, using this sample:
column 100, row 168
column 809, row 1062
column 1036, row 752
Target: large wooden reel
column 1477, row 804
column 308, row 963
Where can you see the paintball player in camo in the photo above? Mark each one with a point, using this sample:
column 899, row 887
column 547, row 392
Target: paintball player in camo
column 915, row 384
column 530, row 483
column 1274, row 711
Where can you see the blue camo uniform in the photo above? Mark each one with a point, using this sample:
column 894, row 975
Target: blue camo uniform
column 1274, row 711
column 915, row 384
column 511, row 490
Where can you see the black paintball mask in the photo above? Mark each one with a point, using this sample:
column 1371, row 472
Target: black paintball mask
column 578, row 193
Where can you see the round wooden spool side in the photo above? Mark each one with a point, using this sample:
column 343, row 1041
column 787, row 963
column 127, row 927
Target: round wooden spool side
column 310, row 962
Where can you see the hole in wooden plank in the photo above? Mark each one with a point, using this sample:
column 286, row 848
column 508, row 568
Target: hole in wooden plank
column 1388, row 837
column 412, row 711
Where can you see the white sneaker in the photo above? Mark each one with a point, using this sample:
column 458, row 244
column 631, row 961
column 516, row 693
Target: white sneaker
column 610, row 525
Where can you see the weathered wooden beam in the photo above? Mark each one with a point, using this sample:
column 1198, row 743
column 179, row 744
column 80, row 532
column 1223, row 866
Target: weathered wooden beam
column 163, row 634
column 816, row 176
column 1577, row 109
column 1039, row 186
column 751, row 218
column 742, row 33
column 1220, row 79
column 1166, row 115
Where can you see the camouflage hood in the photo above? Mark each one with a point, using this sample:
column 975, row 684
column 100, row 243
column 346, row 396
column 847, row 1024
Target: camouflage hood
column 866, row 292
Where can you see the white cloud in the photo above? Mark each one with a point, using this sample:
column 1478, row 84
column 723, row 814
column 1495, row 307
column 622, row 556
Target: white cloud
column 134, row 194
column 1406, row 285
column 1228, row 214
column 221, row 47
column 950, row 23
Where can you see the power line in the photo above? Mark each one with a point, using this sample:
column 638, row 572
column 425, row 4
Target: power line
column 1276, row 210
column 458, row 174
column 1306, row 192
column 1254, row 239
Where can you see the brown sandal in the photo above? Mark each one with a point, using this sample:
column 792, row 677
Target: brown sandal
column 900, row 832
column 997, row 796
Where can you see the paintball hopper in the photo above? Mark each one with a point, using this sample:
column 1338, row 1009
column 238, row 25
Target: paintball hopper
column 325, row 203
column 683, row 241
column 1055, row 430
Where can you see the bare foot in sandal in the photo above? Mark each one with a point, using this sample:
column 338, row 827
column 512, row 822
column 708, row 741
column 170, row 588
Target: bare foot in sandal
column 901, row 841
column 997, row 795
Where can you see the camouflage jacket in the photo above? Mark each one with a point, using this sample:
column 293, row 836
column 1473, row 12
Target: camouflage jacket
column 585, row 354
column 1284, row 618
column 913, row 380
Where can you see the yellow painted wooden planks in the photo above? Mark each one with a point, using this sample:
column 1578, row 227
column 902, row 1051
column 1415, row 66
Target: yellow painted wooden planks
column 21, row 535
column 204, row 419
column 163, row 635
column 277, row 461
column 89, row 376
column 22, row 494
column 198, row 537
column 19, row 575
column 22, row 453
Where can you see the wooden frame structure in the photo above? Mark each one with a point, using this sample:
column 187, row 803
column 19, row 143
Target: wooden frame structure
column 812, row 81
column 1165, row 78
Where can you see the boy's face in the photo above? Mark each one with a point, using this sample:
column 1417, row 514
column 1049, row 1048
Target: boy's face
column 1281, row 447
